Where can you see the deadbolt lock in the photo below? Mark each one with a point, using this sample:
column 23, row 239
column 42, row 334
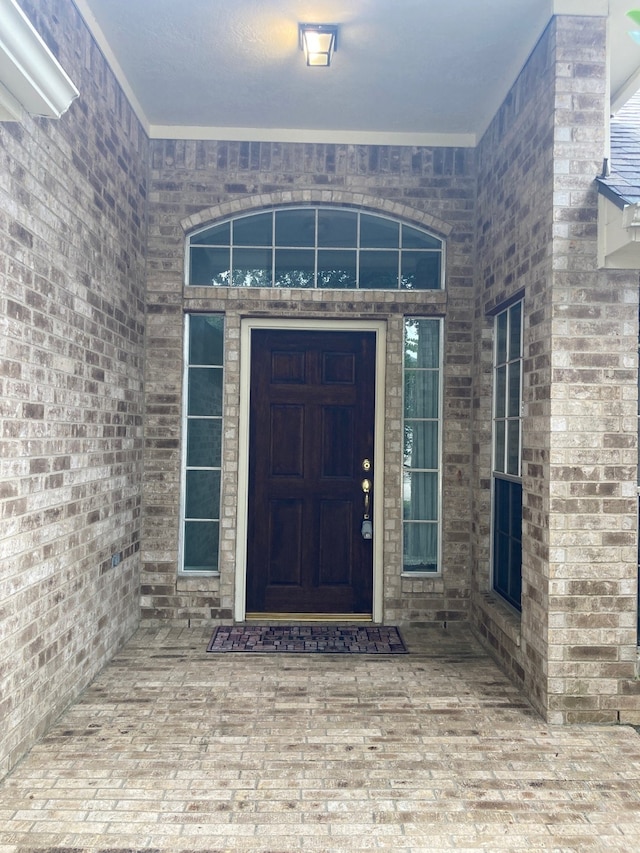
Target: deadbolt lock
column 366, row 464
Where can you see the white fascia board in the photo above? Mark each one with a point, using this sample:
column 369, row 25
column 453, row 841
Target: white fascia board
column 30, row 75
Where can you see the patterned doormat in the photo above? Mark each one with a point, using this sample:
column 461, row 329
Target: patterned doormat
column 312, row 639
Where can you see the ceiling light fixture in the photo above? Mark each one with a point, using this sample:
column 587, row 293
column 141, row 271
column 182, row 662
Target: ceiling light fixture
column 318, row 41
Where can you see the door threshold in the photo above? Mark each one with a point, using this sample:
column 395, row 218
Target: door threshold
column 308, row 617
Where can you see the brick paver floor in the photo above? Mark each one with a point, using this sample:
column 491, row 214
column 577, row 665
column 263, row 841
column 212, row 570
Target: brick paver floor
column 172, row 749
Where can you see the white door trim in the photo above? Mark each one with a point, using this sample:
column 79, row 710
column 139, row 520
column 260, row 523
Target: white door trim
column 379, row 327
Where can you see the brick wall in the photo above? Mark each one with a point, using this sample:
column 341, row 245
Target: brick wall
column 195, row 182
column 72, row 235
column 515, row 226
column 574, row 645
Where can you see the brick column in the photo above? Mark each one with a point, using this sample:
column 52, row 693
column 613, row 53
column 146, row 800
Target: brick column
column 580, row 578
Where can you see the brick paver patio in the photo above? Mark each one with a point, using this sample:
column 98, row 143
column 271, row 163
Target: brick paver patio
column 171, row 750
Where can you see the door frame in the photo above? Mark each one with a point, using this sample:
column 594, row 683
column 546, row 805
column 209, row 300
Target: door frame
column 379, row 327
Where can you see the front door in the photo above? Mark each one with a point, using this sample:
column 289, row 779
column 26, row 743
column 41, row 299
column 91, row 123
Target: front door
column 311, row 424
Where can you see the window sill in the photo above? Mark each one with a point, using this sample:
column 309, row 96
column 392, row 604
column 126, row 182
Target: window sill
column 506, row 618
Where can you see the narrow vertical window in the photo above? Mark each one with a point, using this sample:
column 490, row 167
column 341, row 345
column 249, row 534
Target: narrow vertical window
column 203, row 442
column 421, row 470
column 507, row 432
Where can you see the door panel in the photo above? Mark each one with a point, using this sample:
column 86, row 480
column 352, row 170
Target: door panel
column 310, row 426
column 338, row 457
column 285, row 542
column 286, row 453
column 336, row 536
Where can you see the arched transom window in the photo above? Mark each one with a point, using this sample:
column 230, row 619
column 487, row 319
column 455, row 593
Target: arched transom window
column 315, row 247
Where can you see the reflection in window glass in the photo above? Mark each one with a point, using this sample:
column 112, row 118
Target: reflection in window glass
column 203, row 443
column 420, row 270
column 337, row 269
column 252, row 267
column 294, row 268
column 379, row 253
column 210, row 267
column 421, row 470
column 379, row 270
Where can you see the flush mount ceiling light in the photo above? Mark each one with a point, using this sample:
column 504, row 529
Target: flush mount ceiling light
column 318, row 41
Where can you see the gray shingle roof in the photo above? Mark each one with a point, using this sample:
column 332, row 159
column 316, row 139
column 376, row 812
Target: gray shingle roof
column 622, row 185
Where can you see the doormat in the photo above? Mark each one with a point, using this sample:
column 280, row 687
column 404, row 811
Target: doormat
column 310, row 639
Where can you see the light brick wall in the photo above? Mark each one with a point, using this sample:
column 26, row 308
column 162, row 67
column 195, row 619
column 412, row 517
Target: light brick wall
column 195, row 182
column 574, row 645
column 592, row 568
column 72, row 234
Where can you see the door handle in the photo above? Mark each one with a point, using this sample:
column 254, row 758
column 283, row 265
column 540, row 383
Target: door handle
column 366, row 489
column 367, row 527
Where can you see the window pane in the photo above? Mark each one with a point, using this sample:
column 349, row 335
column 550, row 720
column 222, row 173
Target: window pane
column 501, row 338
column 513, row 448
column 420, row 547
column 507, row 540
column 204, row 443
column 294, row 268
column 201, row 546
column 376, row 232
column 219, row 235
column 253, row 230
column 412, row 238
column 295, row 228
column 209, row 266
column 252, row 267
column 501, row 392
column 420, row 491
column 336, row 269
column 420, row 271
column 515, row 314
column 421, row 394
column 513, row 409
column 206, row 339
column 499, row 462
column 421, row 444
column 422, row 343
column 379, row 270
column 337, row 228
column 203, row 494
column 205, row 391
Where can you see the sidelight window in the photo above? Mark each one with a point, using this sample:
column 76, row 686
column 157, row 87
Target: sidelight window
column 202, row 451
column 315, row 247
column 421, row 469
column 507, row 442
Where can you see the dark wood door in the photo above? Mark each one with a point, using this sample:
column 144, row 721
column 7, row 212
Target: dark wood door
column 311, row 428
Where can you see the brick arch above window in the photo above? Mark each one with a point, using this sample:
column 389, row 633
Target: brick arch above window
column 374, row 204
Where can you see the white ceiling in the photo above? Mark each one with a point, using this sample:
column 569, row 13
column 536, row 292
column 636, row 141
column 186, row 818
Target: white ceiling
column 406, row 71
